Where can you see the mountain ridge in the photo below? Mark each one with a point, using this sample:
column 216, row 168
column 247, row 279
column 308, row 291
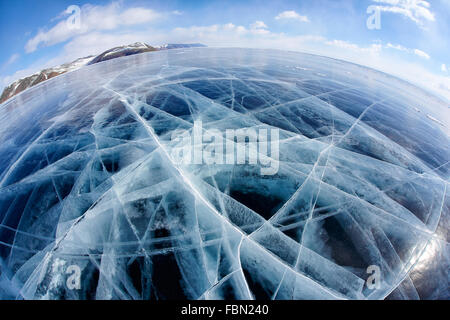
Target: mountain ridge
column 126, row 50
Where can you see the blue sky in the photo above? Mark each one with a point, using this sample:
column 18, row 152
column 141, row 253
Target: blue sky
column 413, row 41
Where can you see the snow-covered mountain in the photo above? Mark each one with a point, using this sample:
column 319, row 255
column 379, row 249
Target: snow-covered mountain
column 45, row 74
column 121, row 51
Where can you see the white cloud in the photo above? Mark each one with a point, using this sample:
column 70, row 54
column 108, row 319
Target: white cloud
column 417, row 52
column 221, row 35
column 11, row 60
column 421, row 54
column 290, row 14
column 372, row 49
column 230, row 35
column 416, row 10
column 93, row 18
column 397, row 47
column 444, row 68
column 258, row 25
column 226, row 27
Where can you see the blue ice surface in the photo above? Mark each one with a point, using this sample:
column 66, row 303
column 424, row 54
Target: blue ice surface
column 86, row 179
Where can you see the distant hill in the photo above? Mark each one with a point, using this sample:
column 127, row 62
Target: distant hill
column 45, row 74
column 178, row 46
column 25, row 83
column 122, row 51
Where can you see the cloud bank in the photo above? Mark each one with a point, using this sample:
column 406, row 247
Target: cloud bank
column 92, row 18
column 415, row 10
column 291, row 15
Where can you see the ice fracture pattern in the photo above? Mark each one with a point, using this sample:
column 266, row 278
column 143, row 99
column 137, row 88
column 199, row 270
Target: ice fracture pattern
column 87, row 180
